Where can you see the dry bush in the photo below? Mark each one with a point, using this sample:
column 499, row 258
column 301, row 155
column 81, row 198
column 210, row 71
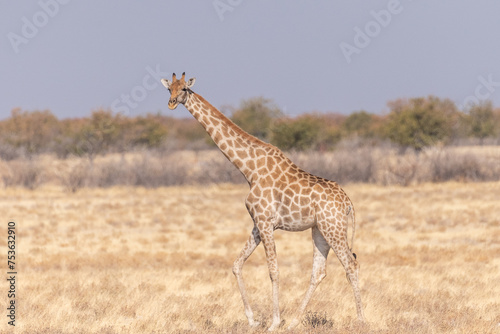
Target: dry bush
column 400, row 169
column 168, row 167
column 76, row 177
column 462, row 166
column 387, row 166
column 218, row 170
column 147, row 169
column 27, row 173
column 342, row 165
column 143, row 169
column 110, row 173
column 151, row 172
column 9, row 152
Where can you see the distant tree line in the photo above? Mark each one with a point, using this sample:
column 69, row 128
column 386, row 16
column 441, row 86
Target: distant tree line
column 410, row 123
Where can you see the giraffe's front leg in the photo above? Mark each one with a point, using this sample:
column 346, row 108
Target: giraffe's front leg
column 252, row 242
column 266, row 234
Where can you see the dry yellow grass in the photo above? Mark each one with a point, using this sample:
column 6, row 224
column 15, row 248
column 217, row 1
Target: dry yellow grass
column 130, row 260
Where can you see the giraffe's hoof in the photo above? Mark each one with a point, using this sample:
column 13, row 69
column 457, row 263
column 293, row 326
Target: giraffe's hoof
column 254, row 324
column 361, row 317
column 293, row 324
column 273, row 327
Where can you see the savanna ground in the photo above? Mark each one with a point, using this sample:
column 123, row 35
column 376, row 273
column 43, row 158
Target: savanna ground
column 136, row 260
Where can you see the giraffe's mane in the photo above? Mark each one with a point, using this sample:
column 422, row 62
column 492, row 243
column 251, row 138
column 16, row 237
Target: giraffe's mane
column 229, row 122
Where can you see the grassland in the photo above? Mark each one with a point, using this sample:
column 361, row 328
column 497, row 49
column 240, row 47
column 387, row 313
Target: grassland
column 136, row 260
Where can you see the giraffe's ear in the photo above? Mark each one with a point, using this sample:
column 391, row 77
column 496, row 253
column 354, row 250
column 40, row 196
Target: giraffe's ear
column 190, row 82
column 166, row 83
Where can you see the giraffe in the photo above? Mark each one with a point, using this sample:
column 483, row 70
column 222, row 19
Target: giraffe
column 282, row 196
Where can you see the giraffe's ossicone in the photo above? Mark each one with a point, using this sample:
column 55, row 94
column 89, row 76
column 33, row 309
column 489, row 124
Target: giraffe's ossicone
column 282, row 196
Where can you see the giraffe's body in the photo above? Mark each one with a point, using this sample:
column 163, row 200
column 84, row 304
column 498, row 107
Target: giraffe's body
column 282, row 196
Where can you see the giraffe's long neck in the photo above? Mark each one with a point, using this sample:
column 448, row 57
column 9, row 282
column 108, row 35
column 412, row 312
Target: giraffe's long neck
column 238, row 146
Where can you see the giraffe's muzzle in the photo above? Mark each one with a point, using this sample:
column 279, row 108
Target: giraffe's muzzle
column 172, row 104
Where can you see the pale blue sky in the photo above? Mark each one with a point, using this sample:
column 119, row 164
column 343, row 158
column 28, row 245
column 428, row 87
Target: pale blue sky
column 72, row 57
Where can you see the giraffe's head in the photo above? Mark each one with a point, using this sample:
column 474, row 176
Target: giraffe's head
column 179, row 90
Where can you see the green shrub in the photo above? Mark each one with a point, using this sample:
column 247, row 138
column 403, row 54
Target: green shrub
column 305, row 132
column 481, row 121
column 421, row 122
column 256, row 116
column 32, row 132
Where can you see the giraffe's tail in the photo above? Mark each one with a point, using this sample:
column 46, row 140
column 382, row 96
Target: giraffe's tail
column 352, row 216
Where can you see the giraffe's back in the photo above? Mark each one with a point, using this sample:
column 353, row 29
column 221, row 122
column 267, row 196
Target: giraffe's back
column 295, row 200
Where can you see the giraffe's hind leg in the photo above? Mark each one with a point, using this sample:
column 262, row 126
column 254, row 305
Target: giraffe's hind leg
column 320, row 254
column 252, row 243
column 347, row 258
